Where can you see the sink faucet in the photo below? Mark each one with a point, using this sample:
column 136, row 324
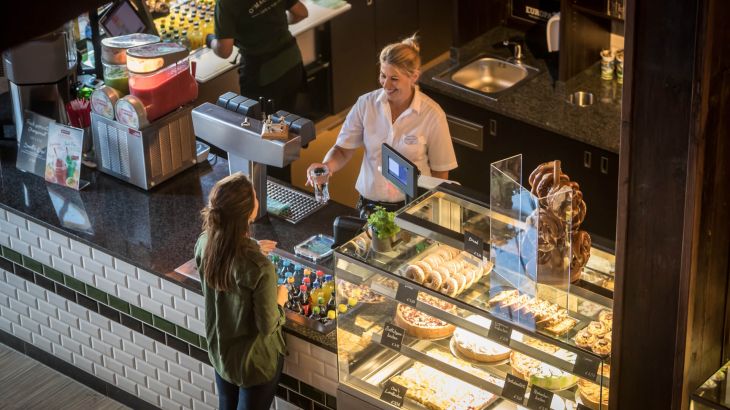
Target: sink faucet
column 517, row 49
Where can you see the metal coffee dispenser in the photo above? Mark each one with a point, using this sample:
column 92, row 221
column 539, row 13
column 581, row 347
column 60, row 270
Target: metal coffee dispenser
column 234, row 125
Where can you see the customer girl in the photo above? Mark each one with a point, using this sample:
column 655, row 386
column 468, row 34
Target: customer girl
column 243, row 306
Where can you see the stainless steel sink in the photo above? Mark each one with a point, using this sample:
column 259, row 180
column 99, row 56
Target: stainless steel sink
column 487, row 75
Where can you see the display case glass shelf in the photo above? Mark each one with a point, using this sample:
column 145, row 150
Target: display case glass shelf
column 714, row 393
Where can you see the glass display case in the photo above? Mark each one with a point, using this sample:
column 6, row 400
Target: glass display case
column 438, row 322
column 714, row 393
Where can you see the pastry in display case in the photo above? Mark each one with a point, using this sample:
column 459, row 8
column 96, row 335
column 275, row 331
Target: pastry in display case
column 482, row 341
column 714, row 393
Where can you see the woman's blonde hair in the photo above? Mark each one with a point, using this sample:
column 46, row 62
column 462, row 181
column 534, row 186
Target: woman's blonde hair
column 225, row 221
column 404, row 55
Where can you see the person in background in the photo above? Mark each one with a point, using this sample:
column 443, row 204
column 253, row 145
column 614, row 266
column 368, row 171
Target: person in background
column 271, row 64
column 243, row 305
column 397, row 114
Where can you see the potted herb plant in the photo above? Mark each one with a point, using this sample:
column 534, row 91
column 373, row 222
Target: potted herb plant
column 382, row 229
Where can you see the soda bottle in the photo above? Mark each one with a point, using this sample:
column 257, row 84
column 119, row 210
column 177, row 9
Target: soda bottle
column 328, row 287
column 316, row 292
column 307, row 282
column 332, row 304
column 322, row 308
column 304, row 299
column 320, row 278
column 308, row 274
column 316, row 315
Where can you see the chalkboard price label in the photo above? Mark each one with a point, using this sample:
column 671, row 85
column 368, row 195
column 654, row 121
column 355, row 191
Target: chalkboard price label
column 500, row 332
column 586, row 366
column 393, row 393
column 514, row 389
column 473, row 245
column 392, row 336
column 406, row 295
column 540, row 399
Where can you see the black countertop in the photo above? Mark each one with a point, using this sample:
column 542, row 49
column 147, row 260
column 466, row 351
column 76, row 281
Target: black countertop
column 541, row 101
column 153, row 230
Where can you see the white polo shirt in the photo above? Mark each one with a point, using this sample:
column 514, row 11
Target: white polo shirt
column 420, row 133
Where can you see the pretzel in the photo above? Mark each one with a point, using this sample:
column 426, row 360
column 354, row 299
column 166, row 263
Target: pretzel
column 581, row 247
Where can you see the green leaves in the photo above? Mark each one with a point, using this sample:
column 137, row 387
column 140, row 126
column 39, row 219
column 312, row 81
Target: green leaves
column 382, row 223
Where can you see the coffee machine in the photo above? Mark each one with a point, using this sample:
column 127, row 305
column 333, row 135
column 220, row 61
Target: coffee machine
column 40, row 73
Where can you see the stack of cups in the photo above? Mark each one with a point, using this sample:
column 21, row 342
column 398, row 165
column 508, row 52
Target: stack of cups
column 620, row 66
column 606, row 65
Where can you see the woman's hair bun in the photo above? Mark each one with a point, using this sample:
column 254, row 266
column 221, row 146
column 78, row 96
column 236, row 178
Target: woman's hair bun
column 412, row 41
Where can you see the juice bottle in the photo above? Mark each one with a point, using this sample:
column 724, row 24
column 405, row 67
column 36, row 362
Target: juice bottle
column 316, row 292
column 184, row 40
column 209, row 27
column 328, row 287
column 196, row 37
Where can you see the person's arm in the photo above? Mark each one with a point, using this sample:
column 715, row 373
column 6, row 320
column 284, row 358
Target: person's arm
column 297, row 13
column 222, row 47
column 225, row 30
column 267, row 312
column 440, row 174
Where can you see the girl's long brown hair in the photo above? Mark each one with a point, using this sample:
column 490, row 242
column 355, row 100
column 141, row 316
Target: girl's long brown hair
column 226, row 222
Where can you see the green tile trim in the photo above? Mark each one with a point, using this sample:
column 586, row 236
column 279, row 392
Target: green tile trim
column 97, row 294
column 187, row 336
column 53, row 274
column 331, row 402
column 33, row 265
column 12, row 255
column 164, row 325
column 311, row 392
column 118, row 304
column 75, row 284
column 203, row 343
column 289, row 382
column 142, row 315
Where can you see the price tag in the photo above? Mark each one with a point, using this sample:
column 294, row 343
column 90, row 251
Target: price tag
column 392, row 336
column 514, row 388
column 473, row 245
column 407, row 295
column 500, row 332
column 393, row 393
column 540, row 399
column 586, row 366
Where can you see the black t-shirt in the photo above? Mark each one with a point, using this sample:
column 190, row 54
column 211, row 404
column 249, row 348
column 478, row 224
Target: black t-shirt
column 257, row 26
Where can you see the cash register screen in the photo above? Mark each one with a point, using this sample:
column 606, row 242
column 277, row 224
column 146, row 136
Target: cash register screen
column 122, row 19
column 399, row 171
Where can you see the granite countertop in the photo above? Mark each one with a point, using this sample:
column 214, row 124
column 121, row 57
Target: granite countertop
column 153, row 230
column 541, row 101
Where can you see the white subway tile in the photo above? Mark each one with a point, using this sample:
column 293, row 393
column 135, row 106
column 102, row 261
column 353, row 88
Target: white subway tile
column 194, row 298
column 294, row 343
column 89, row 329
column 161, row 296
column 292, row 357
column 158, row 387
column 10, row 314
column 330, row 372
column 146, row 368
column 298, row 372
column 19, row 308
column 37, row 291
column 16, row 281
column 173, row 315
column 179, row 371
column 51, row 247
column 155, row 360
column 128, row 295
column 4, row 300
column 93, row 266
column 84, row 275
column 10, row 229
column 83, row 338
column 123, row 357
column 167, row 404
column 150, row 305
column 60, row 239
column 208, row 372
column 143, row 341
column 71, row 257
column 181, row 398
column 122, row 331
column 71, row 344
column 51, row 335
column 3, row 215
column 201, row 406
column 112, row 339
column 196, row 326
column 200, row 313
column 189, row 363
column 6, row 325
column 173, row 288
column 148, row 278
column 138, row 286
column 104, row 348
column 80, row 248
column 192, row 391
column 47, row 308
column 4, row 238
column 17, row 220
column 103, row 373
column 133, row 349
column 29, row 238
column 60, row 327
column 63, row 353
column 324, row 384
column 41, row 256
column 312, row 364
column 102, row 257
column 125, row 267
column 148, row 395
column 168, row 379
column 203, row 382
column 99, row 320
column 19, row 246
column 83, row 363
column 61, row 265
column 75, row 311
column 210, row 399
column 30, row 324
column 184, row 306
column 39, row 230
column 105, row 285
column 8, row 290
column 92, row 354
column 125, row 384
column 56, row 300
column 21, row 332
column 135, row 376
column 113, row 365
column 115, row 276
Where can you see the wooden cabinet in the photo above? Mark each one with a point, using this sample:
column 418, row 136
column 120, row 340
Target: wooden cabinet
column 595, row 169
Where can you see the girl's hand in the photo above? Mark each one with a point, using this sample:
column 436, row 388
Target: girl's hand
column 282, row 295
column 266, row 246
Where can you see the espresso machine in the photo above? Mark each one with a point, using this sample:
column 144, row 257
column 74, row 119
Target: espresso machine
column 234, row 124
column 40, row 73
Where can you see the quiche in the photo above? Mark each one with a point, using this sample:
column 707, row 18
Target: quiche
column 420, row 325
column 476, row 347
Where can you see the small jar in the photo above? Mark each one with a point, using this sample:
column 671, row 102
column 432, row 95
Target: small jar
column 606, row 65
column 116, row 76
column 620, row 66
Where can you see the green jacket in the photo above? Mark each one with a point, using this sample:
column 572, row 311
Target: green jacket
column 243, row 325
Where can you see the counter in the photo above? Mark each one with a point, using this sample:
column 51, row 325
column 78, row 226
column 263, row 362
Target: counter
column 541, row 101
column 88, row 278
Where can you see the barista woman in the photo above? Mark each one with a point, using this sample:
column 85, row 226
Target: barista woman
column 397, row 114
column 243, row 306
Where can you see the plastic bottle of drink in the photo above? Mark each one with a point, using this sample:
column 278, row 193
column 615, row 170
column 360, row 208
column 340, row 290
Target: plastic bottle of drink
column 316, row 315
column 332, row 304
column 308, row 274
column 306, row 281
column 208, row 27
column 328, row 287
column 304, row 300
column 298, row 273
column 316, row 292
column 322, row 308
column 320, row 278
column 185, row 40
column 284, row 268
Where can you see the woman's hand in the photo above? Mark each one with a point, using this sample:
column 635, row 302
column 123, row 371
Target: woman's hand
column 282, row 295
column 310, row 174
column 266, row 246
